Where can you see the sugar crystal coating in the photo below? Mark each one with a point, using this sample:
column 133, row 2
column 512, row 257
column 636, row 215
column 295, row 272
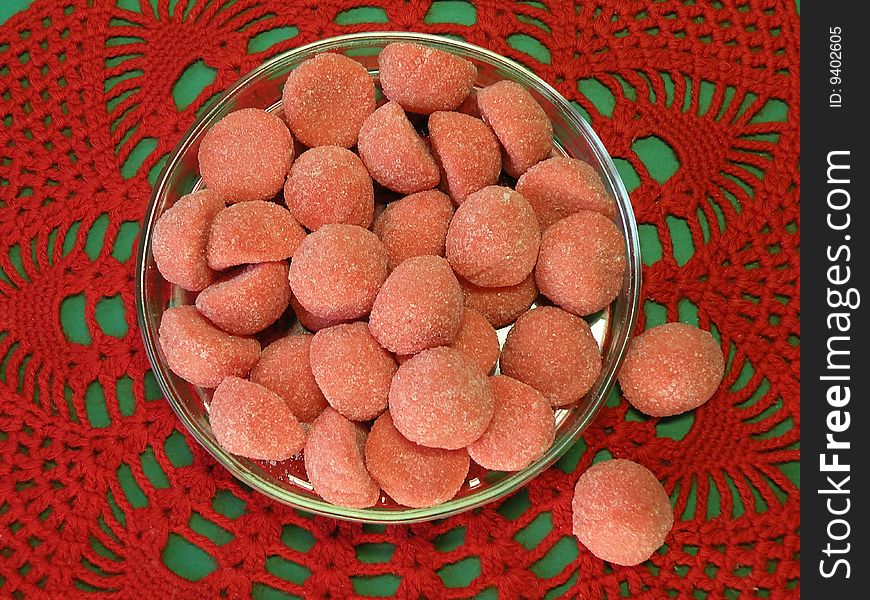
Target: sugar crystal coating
column 581, row 262
column 500, row 305
column 246, row 155
column 554, row 352
column 180, row 240
column 329, row 184
column 670, row 369
column 418, row 307
column 326, row 99
column 522, row 429
column 477, row 340
column 621, row 512
column 395, row 154
column 440, row 398
column 284, row 367
column 252, row 232
column 411, row 474
column 335, row 462
column 352, row 370
column 416, row 225
column 493, row 239
column 422, row 79
column 309, row 320
column 199, row 352
column 250, row 420
column 337, row 271
column 467, row 150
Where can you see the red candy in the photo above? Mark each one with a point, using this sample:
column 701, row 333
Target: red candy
column 246, row 155
column 199, row 352
column 394, row 152
column 554, row 352
column 493, row 238
column 248, row 302
column 335, row 462
column 621, row 512
column 477, row 340
column 467, row 151
column 284, row 367
column 561, row 186
column 424, row 80
column 581, row 262
column 326, row 99
column 338, row 270
column 411, row 474
column 522, row 126
column 309, row 320
column 671, row 369
column 441, row 399
column 352, row 370
column 252, row 232
column 521, row 431
column 249, row 420
column 418, row 307
column 500, row 305
column 329, row 184
column 416, row 225
column 180, row 240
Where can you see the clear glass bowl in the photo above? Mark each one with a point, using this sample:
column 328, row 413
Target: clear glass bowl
column 262, row 88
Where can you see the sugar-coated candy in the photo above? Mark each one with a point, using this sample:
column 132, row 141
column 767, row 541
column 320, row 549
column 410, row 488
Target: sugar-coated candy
column 326, row 99
column 395, row 154
column 352, row 370
column 522, row 126
column 477, row 340
column 329, row 184
column 418, row 307
column 199, row 352
column 554, row 352
column 560, row 186
column 621, row 512
column 493, row 238
column 670, row 369
column 440, row 398
column 180, row 240
column 285, row 368
column 416, row 225
column 423, row 79
column 467, row 150
column 522, row 429
column 309, row 320
column 337, row 271
column 581, row 262
column 500, row 305
column 252, row 421
column 252, row 232
column 335, row 462
column 411, row 474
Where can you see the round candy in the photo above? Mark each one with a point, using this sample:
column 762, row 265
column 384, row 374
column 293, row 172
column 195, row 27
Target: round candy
column 335, row 462
column 338, row 270
column 581, row 262
column 180, row 239
column 246, row 155
column 284, row 367
column 441, row 399
column 621, row 512
column 422, row 79
column 411, row 474
column 416, row 225
column 249, row 301
column 493, row 239
column 309, row 320
column 554, row 352
column 522, row 126
column 671, row 369
column 477, row 340
column 394, row 152
column 500, row 305
column 352, row 370
column 522, row 429
column 560, row 186
column 199, row 352
column 418, row 307
column 329, row 184
column 250, row 420
column 252, row 232
column 467, row 151
column 326, row 99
